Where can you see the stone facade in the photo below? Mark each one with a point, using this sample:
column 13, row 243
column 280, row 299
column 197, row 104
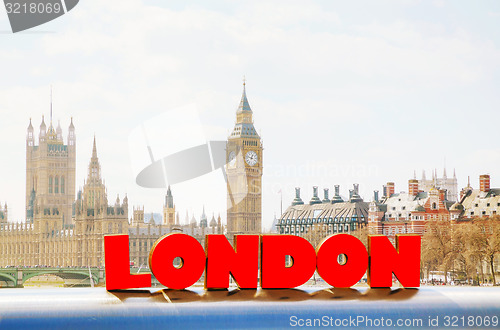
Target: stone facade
column 50, row 170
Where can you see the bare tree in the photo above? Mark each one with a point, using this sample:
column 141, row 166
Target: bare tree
column 438, row 246
column 486, row 241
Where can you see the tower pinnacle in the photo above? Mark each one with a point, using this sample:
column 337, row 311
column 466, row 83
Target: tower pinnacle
column 94, row 150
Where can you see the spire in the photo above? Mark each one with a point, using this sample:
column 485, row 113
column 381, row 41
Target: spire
column 94, row 166
column 30, row 126
column 43, row 129
column 169, row 199
column 423, row 175
column 50, row 105
column 444, row 173
column 94, row 150
column 414, row 174
column 59, row 131
column 244, row 105
column 454, row 174
column 71, row 126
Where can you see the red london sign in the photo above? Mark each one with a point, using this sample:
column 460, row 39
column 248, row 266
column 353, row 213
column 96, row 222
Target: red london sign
column 219, row 260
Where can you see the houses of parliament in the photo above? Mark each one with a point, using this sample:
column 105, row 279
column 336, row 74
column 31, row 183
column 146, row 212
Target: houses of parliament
column 67, row 229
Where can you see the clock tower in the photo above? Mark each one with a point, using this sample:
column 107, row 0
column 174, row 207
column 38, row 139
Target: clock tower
column 244, row 174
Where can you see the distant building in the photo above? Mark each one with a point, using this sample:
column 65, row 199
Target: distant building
column 47, row 238
column 482, row 202
column 320, row 218
column 449, row 185
column 4, row 215
column 402, row 213
column 145, row 230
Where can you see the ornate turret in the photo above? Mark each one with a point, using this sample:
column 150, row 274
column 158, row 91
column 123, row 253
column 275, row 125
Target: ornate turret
column 203, row 219
column 59, row 131
column 169, row 199
column 43, row 130
column 71, row 134
column 213, row 222
column 30, row 140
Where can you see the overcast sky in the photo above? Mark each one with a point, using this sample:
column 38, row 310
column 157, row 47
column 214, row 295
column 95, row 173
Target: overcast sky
column 342, row 92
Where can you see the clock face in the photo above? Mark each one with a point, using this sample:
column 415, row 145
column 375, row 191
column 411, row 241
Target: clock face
column 231, row 159
column 251, row 158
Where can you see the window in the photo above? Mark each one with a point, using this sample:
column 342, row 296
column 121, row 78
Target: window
column 62, row 185
column 50, row 184
column 434, row 206
column 56, row 185
column 403, row 208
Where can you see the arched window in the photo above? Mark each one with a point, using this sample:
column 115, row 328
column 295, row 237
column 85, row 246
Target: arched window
column 50, row 184
column 62, row 185
column 434, row 206
column 56, row 185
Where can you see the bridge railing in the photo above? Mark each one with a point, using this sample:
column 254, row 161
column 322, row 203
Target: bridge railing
column 427, row 307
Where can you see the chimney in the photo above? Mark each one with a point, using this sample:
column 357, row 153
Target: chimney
column 389, row 189
column 413, row 187
column 315, row 199
column 356, row 188
column 484, row 183
column 326, row 199
column 442, row 194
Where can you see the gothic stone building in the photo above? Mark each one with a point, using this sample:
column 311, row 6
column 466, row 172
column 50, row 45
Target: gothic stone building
column 51, row 236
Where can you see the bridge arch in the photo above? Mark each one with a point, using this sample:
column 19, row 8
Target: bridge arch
column 62, row 273
column 8, row 277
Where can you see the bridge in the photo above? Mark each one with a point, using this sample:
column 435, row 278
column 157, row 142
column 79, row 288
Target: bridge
column 15, row 277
